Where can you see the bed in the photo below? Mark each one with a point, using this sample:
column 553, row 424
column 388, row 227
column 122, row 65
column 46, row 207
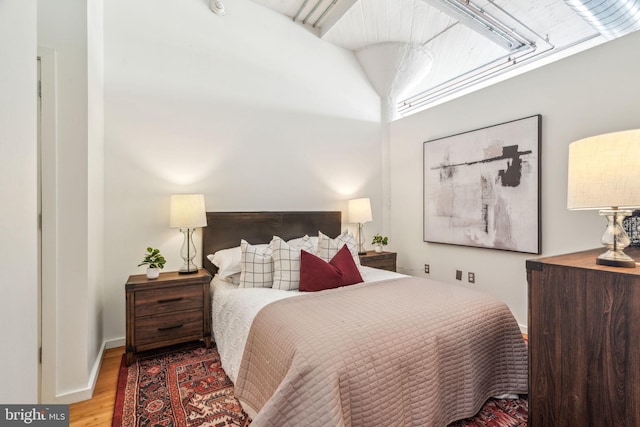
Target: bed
column 393, row 350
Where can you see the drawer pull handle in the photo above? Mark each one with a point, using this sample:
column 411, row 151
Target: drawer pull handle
column 163, row 301
column 166, row 328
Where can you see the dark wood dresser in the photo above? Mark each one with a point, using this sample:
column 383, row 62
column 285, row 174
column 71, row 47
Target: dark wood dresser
column 172, row 309
column 584, row 342
column 381, row 260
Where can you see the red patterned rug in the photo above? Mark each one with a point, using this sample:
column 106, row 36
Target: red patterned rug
column 187, row 387
column 181, row 388
column 498, row 413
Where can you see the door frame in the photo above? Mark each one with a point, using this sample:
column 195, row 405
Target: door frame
column 47, row 196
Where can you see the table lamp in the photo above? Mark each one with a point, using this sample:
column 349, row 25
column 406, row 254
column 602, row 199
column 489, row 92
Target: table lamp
column 188, row 213
column 604, row 174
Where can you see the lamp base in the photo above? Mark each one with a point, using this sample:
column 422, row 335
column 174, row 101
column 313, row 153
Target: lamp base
column 188, row 269
column 615, row 260
column 615, row 239
column 188, row 252
column 360, row 241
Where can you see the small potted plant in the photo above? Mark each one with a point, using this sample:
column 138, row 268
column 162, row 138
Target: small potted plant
column 379, row 241
column 154, row 261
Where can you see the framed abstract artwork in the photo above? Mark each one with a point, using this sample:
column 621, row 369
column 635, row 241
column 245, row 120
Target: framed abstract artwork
column 482, row 188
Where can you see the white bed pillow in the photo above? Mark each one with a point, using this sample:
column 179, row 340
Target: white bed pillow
column 227, row 261
column 286, row 262
column 300, row 241
column 234, row 278
column 256, row 265
column 328, row 247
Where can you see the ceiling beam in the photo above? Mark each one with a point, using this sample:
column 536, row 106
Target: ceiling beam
column 340, row 9
column 480, row 21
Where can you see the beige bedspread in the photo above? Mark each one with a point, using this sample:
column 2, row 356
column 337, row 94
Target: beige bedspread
column 403, row 352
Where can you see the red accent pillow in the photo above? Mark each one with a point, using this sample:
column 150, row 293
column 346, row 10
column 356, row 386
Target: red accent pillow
column 316, row 274
column 343, row 261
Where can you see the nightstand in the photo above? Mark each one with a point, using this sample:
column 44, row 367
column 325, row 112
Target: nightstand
column 172, row 309
column 381, row 260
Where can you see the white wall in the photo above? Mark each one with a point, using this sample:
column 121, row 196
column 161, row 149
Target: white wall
column 593, row 92
column 72, row 29
column 95, row 193
column 18, row 216
column 248, row 108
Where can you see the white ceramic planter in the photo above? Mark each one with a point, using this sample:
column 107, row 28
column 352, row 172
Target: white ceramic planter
column 153, row 273
column 377, row 248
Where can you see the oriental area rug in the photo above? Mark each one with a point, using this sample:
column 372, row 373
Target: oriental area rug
column 187, row 387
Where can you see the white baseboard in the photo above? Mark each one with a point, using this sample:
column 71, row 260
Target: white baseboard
column 524, row 329
column 118, row 342
column 87, row 392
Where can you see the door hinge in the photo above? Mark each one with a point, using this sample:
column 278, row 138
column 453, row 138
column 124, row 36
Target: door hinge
column 40, row 221
column 40, row 355
column 39, row 88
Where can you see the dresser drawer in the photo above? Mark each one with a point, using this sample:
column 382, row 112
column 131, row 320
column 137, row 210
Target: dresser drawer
column 161, row 301
column 168, row 327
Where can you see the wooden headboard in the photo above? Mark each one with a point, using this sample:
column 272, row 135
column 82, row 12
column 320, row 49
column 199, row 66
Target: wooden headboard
column 225, row 229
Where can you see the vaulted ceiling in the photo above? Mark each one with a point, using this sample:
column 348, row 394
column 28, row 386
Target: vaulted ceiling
column 420, row 52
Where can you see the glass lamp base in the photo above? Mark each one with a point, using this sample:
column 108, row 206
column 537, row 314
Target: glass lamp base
column 615, row 239
column 360, row 242
column 614, row 259
column 188, row 269
column 188, row 252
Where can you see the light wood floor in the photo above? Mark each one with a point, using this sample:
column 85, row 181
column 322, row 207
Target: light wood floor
column 98, row 411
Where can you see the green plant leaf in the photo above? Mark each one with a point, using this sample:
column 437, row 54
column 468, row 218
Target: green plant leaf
column 153, row 258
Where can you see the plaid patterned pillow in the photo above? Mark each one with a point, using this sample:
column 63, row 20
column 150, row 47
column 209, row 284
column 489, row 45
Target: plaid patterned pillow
column 256, row 265
column 286, row 262
column 328, row 247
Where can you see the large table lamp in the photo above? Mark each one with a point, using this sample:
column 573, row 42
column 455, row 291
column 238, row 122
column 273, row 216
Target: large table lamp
column 187, row 214
column 604, row 174
column 359, row 212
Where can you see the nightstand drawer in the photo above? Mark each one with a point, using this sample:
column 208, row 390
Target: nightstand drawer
column 168, row 327
column 383, row 264
column 161, row 301
column 381, row 260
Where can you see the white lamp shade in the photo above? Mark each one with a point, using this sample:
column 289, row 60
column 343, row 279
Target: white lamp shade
column 359, row 210
column 604, row 171
column 187, row 211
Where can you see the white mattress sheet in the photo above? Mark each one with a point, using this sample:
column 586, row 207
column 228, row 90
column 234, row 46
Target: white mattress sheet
column 233, row 310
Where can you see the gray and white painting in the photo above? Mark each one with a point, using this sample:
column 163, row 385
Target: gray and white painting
column 481, row 187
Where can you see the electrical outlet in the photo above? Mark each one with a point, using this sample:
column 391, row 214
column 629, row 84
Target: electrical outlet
column 472, row 277
column 458, row 275
column 426, row 268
